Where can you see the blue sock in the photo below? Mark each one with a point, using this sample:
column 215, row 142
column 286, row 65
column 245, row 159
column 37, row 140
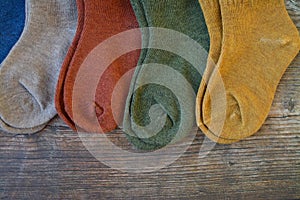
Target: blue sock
column 12, row 19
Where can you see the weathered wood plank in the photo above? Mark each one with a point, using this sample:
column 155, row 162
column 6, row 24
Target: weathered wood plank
column 55, row 164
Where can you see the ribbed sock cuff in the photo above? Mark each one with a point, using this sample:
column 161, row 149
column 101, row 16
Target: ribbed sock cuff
column 209, row 4
column 211, row 10
column 251, row 3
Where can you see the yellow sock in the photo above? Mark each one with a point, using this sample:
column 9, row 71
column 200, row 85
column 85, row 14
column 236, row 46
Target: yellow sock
column 212, row 13
column 259, row 42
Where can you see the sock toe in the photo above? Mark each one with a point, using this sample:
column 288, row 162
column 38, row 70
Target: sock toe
column 20, row 109
column 220, row 112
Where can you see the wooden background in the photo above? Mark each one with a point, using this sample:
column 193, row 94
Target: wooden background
column 54, row 164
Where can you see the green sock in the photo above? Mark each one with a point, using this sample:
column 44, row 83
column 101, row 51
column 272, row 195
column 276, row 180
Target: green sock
column 154, row 115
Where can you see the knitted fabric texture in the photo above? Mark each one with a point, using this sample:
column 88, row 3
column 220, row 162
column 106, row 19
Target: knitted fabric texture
column 151, row 105
column 12, row 19
column 98, row 22
column 257, row 48
column 29, row 74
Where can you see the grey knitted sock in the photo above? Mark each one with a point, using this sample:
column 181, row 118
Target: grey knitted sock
column 29, row 74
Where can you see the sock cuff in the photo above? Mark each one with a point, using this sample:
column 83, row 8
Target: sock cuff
column 251, row 3
column 209, row 3
column 212, row 12
column 56, row 11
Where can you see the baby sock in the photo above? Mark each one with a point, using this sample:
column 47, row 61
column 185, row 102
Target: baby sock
column 212, row 13
column 59, row 100
column 29, row 74
column 102, row 20
column 149, row 104
column 259, row 43
column 12, row 18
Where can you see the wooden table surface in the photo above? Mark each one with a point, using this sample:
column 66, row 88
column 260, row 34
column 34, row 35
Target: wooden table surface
column 54, row 163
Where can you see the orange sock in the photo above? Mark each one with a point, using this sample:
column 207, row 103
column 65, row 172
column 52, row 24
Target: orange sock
column 59, row 101
column 102, row 20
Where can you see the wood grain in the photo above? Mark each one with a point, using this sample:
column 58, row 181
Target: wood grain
column 54, row 164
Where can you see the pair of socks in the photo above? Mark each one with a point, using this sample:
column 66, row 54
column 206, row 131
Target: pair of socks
column 252, row 44
column 98, row 21
column 160, row 107
column 12, row 19
column 29, row 74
